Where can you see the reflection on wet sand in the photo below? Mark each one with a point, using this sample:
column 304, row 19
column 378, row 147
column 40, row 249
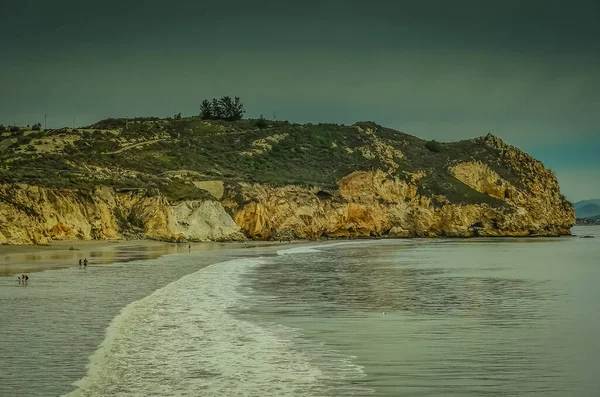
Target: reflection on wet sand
column 17, row 259
column 376, row 280
column 58, row 255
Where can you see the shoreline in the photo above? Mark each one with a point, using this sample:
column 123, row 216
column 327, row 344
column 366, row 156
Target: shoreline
column 16, row 259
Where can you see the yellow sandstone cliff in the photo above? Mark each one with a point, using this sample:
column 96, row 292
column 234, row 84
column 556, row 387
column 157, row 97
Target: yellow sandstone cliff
column 374, row 203
column 377, row 204
column 34, row 215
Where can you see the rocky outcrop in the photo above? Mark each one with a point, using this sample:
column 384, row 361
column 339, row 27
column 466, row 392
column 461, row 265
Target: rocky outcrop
column 376, row 204
column 524, row 201
column 34, row 215
column 205, row 220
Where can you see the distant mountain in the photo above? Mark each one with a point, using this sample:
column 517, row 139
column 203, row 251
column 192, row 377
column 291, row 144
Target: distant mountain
column 587, row 208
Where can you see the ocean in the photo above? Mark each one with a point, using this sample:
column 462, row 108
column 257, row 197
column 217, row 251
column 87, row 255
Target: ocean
column 421, row 317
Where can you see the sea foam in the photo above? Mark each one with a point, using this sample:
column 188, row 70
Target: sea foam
column 184, row 340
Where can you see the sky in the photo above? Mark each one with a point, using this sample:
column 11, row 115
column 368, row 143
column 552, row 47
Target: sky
column 526, row 71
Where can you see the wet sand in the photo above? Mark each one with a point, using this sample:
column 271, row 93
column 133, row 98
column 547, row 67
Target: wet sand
column 16, row 259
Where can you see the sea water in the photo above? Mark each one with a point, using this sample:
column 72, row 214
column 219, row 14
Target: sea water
column 503, row 317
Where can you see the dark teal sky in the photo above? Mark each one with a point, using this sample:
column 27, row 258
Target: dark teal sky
column 527, row 71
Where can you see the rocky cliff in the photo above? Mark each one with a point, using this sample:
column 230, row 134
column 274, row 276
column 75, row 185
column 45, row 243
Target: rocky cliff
column 377, row 205
column 277, row 183
column 35, row 215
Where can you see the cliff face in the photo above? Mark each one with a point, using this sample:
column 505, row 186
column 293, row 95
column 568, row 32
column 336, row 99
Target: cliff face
column 375, row 204
column 190, row 180
column 34, row 215
column 378, row 204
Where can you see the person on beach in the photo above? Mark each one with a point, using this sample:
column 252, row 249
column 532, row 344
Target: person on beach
column 85, row 262
column 80, row 262
column 189, row 248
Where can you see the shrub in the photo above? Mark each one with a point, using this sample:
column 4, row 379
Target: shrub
column 177, row 190
column 261, row 122
column 36, row 126
column 2, row 128
column 23, row 140
column 15, row 129
column 434, row 146
column 70, row 149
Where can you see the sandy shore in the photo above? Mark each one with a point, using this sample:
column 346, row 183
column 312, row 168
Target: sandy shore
column 15, row 259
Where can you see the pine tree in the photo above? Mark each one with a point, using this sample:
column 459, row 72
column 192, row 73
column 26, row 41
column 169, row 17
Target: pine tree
column 226, row 107
column 217, row 110
column 223, row 108
column 206, row 112
column 237, row 109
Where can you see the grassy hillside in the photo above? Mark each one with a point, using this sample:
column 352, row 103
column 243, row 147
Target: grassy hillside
column 168, row 154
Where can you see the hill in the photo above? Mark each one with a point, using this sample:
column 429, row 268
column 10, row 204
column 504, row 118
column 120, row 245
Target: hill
column 587, row 208
column 466, row 188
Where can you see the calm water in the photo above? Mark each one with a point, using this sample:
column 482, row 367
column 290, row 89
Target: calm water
column 498, row 317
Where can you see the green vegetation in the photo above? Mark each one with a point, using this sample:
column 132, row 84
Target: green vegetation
column 224, row 108
column 261, row 122
column 169, row 154
column 177, row 190
column 434, row 146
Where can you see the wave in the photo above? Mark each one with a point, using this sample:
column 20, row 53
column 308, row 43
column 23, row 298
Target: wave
column 309, row 249
column 185, row 340
column 297, row 250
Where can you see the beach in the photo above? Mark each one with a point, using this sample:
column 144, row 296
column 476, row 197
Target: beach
column 16, row 259
column 432, row 317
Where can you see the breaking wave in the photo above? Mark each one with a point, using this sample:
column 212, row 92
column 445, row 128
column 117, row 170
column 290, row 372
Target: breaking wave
column 186, row 340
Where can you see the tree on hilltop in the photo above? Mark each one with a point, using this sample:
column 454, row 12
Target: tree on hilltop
column 237, row 111
column 206, row 110
column 217, row 110
column 224, row 108
column 233, row 109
